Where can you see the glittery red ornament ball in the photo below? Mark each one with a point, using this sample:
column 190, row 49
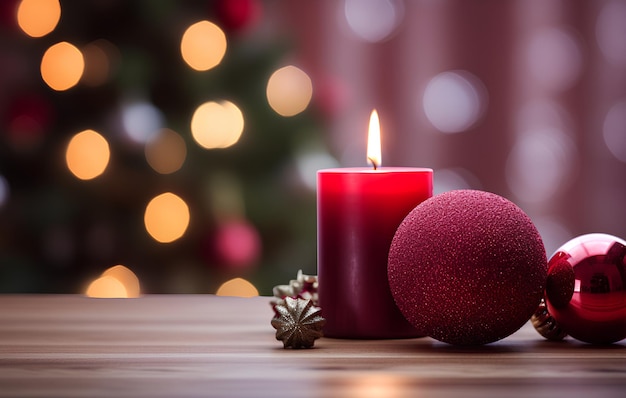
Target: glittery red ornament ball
column 467, row 267
column 586, row 288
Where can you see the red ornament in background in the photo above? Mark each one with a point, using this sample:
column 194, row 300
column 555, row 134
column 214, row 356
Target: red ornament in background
column 236, row 15
column 237, row 244
column 27, row 120
column 467, row 267
column 331, row 96
column 586, row 288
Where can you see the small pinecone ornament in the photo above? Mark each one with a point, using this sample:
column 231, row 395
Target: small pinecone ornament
column 298, row 322
column 304, row 286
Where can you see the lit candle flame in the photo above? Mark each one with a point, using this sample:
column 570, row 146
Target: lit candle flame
column 374, row 157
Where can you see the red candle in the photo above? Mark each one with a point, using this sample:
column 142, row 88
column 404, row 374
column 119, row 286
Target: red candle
column 358, row 212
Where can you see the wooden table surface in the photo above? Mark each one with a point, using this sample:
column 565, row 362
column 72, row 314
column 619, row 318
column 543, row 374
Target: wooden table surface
column 202, row 345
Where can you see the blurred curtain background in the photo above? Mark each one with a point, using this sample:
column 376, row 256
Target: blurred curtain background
column 525, row 98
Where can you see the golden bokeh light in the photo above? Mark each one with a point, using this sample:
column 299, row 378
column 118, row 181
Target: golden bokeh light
column 166, row 153
column 203, row 45
column 237, row 287
column 100, row 58
column 37, row 18
column 62, row 66
column 87, row 155
column 289, row 91
column 127, row 278
column 106, row 287
column 217, row 124
column 166, row 217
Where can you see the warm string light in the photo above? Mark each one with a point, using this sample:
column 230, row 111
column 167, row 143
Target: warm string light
column 237, row 287
column 217, row 124
column 87, row 155
column 37, row 18
column 62, row 66
column 116, row 282
column 166, row 217
column 289, row 91
column 203, row 45
column 106, row 287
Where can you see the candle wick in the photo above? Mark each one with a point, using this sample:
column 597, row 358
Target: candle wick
column 373, row 162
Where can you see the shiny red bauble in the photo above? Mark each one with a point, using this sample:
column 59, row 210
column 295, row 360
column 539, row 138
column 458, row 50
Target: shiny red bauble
column 586, row 288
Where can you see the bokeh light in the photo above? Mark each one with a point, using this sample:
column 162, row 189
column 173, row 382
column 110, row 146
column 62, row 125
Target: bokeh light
column 289, row 91
column 100, row 58
column 611, row 31
column 126, row 277
column 87, row 154
column 373, row 20
column 217, row 124
column 309, row 159
column 62, row 66
column 237, row 287
column 106, row 287
column 614, row 130
column 166, row 152
column 203, row 45
column 166, row 217
column 540, row 164
column 554, row 58
column 454, row 101
column 37, row 18
column 141, row 121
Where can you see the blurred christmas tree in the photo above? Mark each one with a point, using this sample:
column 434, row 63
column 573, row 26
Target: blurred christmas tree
column 74, row 205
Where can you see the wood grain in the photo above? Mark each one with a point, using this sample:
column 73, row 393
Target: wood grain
column 201, row 345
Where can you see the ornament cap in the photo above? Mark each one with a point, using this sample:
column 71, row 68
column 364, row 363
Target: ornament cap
column 546, row 325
